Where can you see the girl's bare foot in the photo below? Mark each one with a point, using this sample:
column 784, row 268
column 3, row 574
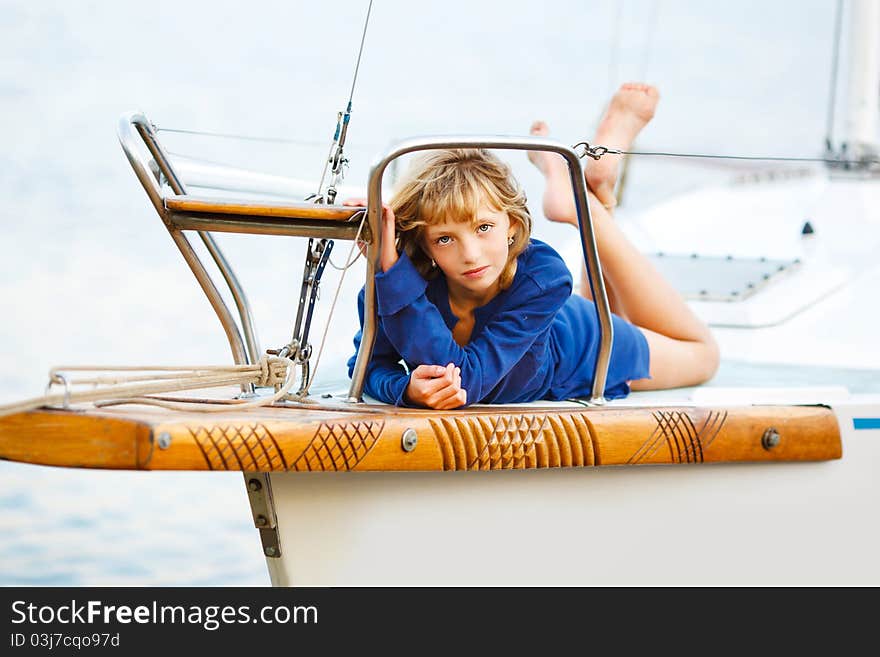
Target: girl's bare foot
column 558, row 201
column 628, row 112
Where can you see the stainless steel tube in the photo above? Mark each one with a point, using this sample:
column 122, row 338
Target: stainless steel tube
column 224, row 223
column 588, row 242
column 138, row 122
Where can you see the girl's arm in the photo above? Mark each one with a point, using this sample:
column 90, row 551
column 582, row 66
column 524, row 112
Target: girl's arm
column 386, row 378
column 417, row 331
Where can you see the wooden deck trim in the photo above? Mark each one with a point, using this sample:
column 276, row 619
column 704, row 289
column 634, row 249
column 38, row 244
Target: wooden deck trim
column 288, row 210
column 487, row 438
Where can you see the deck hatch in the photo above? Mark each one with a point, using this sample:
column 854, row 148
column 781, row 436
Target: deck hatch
column 720, row 278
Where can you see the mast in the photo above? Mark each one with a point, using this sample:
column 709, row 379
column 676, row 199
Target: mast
column 863, row 81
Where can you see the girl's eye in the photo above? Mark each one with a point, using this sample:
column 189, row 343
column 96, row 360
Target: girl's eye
column 442, row 240
column 484, row 228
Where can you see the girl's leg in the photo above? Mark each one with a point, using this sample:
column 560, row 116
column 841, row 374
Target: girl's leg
column 683, row 350
column 630, row 110
column 558, row 205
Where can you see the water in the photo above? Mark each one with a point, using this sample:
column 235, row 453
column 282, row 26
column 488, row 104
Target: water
column 89, row 275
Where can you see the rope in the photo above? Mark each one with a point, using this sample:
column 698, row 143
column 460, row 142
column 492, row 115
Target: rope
column 350, row 261
column 118, row 389
column 268, row 371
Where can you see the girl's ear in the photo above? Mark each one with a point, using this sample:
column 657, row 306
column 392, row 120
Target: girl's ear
column 514, row 226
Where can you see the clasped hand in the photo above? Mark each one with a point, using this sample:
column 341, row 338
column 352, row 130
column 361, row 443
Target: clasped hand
column 435, row 386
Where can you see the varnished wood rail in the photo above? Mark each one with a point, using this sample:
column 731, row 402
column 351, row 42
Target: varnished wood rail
column 373, row 437
column 210, row 214
column 287, row 209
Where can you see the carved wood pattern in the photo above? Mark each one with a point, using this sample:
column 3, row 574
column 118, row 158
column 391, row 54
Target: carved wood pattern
column 250, row 447
column 496, row 442
column 677, row 431
column 331, row 439
column 339, row 446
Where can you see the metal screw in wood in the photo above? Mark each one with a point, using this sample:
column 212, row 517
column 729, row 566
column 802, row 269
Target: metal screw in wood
column 409, row 440
column 770, row 439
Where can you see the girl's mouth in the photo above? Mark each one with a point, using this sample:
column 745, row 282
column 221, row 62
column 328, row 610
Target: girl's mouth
column 476, row 273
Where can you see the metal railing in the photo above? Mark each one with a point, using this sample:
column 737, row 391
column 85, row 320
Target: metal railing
column 246, row 351
column 585, row 222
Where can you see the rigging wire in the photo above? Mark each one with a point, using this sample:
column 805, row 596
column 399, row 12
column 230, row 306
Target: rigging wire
column 832, row 91
column 357, row 65
column 338, row 141
column 226, row 135
column 596, row 152
column 258, row 138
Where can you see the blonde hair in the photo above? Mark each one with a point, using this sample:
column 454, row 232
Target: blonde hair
column 450, row 185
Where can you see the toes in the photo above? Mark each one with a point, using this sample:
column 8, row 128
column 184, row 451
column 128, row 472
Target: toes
column 539, row 128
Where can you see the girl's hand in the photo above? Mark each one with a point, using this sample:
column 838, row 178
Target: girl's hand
column 388, row 256
column 435, row 386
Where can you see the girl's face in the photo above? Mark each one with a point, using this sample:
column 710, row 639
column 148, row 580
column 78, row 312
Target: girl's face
column 473, row 254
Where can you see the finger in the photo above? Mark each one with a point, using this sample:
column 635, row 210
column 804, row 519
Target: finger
column 389, row 224
column 428, row 371
column 430, row 388
column 355, row 202
column 445, row 398
column 443, row 390
column 437, row 388
column 456, row 401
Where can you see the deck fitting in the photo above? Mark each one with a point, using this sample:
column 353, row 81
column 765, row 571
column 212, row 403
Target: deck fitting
column 409, row 440
column 164, row 440
column 259, row 492
column 770, row 439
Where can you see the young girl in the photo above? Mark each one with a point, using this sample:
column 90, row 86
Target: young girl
column 481, row 313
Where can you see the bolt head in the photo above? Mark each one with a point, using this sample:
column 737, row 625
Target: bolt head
column 164, row 440
column 270, row 551
column 254, row 485
column 770, row 439
column 409, row 440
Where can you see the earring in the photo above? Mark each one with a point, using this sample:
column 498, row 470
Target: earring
column 433, row 264
column 510, row 240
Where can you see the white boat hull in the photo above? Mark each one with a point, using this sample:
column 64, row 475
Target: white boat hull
column 722, row 524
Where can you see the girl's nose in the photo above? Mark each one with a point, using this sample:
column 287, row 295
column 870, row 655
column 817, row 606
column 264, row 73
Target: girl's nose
column 470, row 250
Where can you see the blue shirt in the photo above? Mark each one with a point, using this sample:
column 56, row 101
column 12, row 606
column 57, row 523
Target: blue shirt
column 533, row 340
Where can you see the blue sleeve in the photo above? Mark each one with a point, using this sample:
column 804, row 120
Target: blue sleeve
column 386, row 377
column 415, row 327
